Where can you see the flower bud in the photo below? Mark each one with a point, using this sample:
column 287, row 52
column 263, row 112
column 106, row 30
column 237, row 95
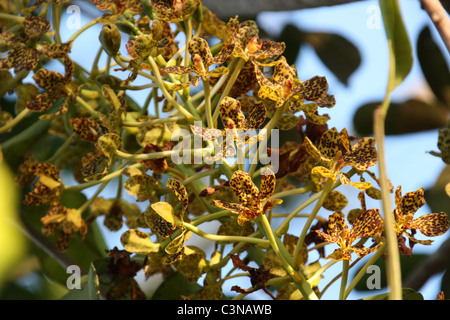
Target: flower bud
column 145, row 46
column 110, row 38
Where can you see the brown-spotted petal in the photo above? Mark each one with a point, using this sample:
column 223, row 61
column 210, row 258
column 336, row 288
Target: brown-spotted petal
column 268, row 182
column 283, row 73
column 206, row 133
column 313, row 88
column 180, row 191
column 326, row 101
column 34, row 26
column 217, row 72
column 329, row 143
column 363, row 251
column 340, row 254
column 270, row 204
column 232, row 116
column 256, row 117
column 412, row 201
column 269, row 50
column 327, row 237
column 344, row 178
column 431, row 225
column 222, row 56
column 55, row 50
column 179, row 70
column 243, row 186
column 361, row 158
column 199, row 46
column 366, row 224
column 23, row 58
column 336, row 227
column 324, row 172
column 313, row 151
column 232, row 207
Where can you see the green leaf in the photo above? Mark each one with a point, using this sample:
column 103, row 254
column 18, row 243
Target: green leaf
column 400, row 53
column 175, row 286
column 340, row 55
column 79, row 294
column 90, row 287
column 93, row 283
column 408, row 264
column 434, row 66
column 436, row 197
column 407, row 294
column 292, row 37
column 12, row 242
column 407, row 117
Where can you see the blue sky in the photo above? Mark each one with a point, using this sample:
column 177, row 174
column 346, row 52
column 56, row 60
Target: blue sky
column 366, row 84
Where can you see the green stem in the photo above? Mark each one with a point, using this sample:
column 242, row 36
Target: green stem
column 393, row 270
column 8, row 16
column 344, row 278
column 86, row 106
column 301, row 239
column 108, row 177
column 166, row 94
column 186, row 58
column 155, row 155
column 319, row 272
column 229, row 85
column 151, row 122
column 292, row 192
column 94, row 69
column 208, row 111
column 214, row 237
column 236, row 249
column 362, row 271
column 263, row 144
column 200, row 175
column 62, row 149
column 85, row 27
column 94, row 196
column 210, row 217
column 56, row 17
column 9, row 125
column 298, row 277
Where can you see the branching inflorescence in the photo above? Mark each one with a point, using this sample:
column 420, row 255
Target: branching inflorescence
column 228, row 98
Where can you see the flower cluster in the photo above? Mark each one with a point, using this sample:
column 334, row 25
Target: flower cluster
column 225, row 81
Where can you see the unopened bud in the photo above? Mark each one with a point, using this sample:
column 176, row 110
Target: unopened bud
column 110, row 38
column 145, row 46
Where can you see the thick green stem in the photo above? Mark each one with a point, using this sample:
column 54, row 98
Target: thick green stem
column 344, row 278
column 56, row 17
column 208, row 110
column 298, row 277
column 394, row 278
